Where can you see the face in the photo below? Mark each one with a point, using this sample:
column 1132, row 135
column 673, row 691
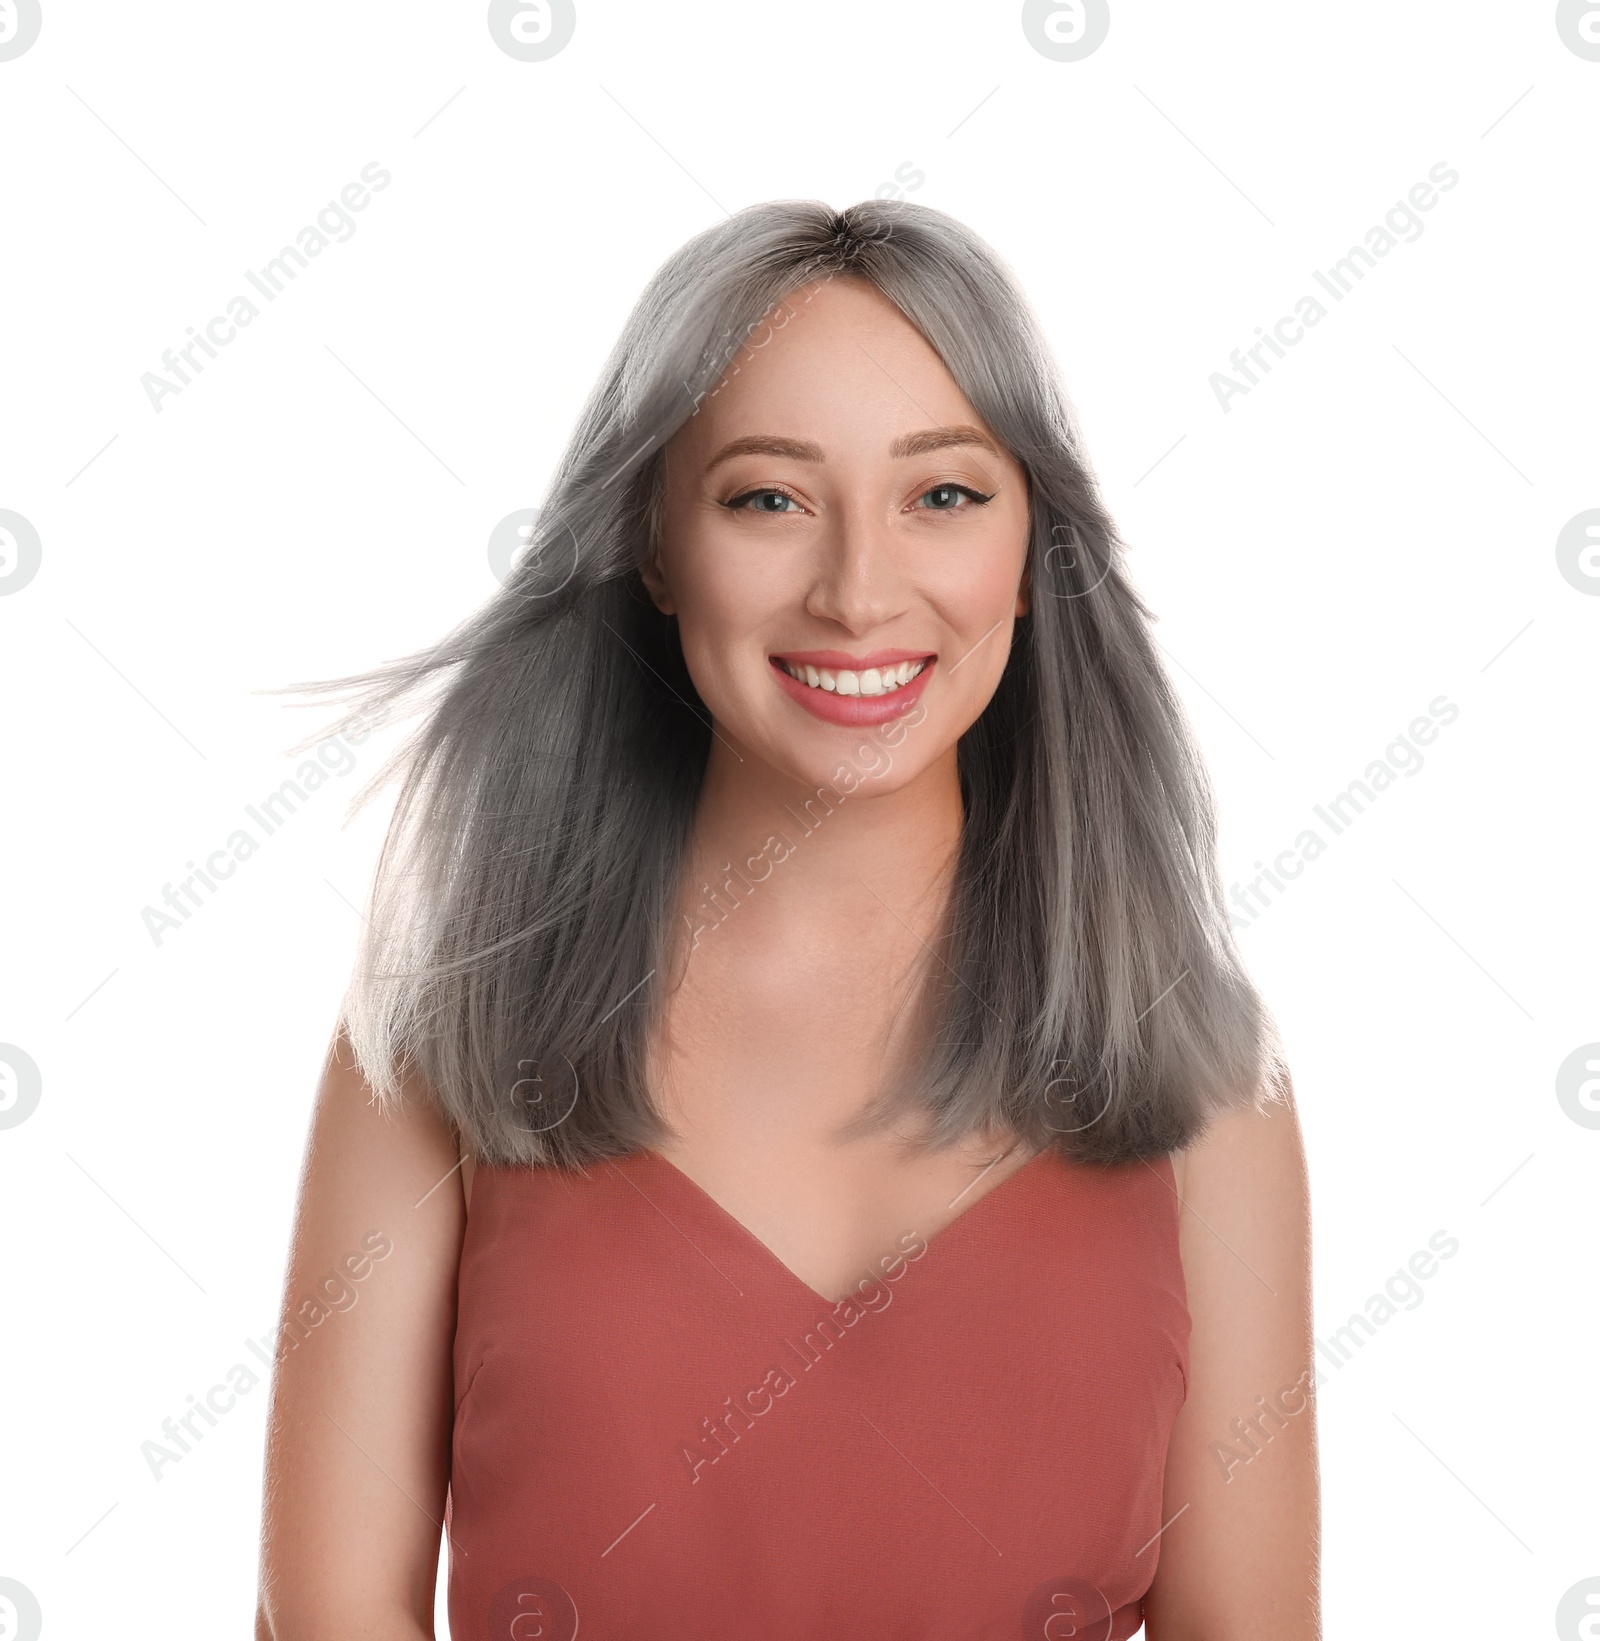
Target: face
column 843, row 543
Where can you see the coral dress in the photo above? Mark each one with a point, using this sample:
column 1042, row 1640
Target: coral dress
column 661, row 1432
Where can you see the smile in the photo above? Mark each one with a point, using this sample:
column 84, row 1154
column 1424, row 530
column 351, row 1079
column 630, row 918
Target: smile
column 842, row 681
column 857, row 696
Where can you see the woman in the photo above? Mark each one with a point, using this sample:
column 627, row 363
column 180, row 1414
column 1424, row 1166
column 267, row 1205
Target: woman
column 839, row 1177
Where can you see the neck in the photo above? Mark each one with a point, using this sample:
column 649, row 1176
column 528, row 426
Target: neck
column 844, row 856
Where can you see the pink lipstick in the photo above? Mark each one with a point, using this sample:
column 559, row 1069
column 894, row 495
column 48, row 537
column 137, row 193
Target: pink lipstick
column 853, row 690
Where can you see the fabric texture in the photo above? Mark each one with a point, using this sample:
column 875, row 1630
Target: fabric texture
column 662, row 1432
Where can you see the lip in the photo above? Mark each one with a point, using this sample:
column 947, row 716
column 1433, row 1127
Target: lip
column 853, row 711
column 833, row 660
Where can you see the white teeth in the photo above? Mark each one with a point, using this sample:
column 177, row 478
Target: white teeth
column 873, row 681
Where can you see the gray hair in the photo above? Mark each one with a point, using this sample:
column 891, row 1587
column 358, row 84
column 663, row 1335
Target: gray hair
column 1088, row 993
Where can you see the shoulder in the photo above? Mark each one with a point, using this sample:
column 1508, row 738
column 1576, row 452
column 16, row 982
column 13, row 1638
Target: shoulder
column 1243, row 1561
column 375, row 1195
column 1244, row 1232
column 1255, row 1148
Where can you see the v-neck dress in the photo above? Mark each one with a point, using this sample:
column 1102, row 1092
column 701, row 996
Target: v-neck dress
column 662, row 1432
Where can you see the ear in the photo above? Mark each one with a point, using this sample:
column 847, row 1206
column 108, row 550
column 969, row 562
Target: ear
column 655, row 583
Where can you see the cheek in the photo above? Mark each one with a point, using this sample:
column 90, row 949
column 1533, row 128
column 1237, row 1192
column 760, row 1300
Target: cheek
column 978, row 584
column 725, row 601
column 976, row 593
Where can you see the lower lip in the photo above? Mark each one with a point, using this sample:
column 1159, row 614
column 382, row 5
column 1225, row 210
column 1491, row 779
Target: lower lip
column 853, row 710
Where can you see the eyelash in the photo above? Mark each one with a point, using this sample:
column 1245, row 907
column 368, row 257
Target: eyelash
column 976, row 497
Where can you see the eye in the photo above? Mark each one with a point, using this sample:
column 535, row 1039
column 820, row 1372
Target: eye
column 764, row 501
column 946, row 498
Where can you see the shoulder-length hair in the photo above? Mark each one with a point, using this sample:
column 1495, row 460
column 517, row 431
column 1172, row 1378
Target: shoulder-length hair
column 1087, row 992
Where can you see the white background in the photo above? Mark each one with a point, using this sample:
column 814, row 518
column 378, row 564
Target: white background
column 1371, row 527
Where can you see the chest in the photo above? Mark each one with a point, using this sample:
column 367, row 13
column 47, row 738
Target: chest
column 762, row 1058
column 635, row 1373
column 831, row 1218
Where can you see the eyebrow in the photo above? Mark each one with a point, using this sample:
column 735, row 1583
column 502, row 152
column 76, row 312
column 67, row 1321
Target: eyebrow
column 942, row 438
column 803, row 450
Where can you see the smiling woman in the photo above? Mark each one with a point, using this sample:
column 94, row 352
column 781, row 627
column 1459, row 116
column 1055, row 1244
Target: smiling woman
column 985, row 1036
column 844, row 530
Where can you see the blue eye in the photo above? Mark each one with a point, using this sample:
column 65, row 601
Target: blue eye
column 946, row 498
column 761, row 500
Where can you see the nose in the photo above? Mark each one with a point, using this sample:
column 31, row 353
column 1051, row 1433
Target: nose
column 858, row 582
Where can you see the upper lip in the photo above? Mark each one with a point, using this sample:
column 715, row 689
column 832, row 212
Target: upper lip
column 838, row 660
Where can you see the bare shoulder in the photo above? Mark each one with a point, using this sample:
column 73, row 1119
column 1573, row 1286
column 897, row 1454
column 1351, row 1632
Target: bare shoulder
column 358, row 1446
column 1254, row 1148
column 1240, row 1492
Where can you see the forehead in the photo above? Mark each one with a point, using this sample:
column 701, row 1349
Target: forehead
column 835, row 363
